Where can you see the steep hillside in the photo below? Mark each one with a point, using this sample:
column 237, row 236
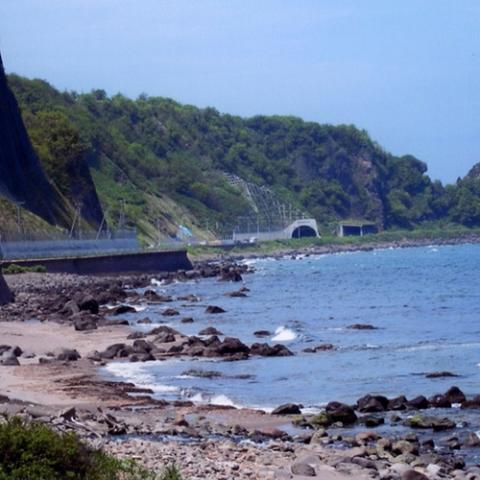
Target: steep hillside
column 158, row 164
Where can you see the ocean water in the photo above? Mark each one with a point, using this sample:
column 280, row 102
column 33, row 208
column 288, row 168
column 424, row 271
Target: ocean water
column 425, row 303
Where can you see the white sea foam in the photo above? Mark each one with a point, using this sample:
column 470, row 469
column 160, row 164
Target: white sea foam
column 284, row 334
column 219, row 400
column 156, row 283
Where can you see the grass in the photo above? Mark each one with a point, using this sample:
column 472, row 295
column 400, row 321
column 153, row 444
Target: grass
column 32, row 451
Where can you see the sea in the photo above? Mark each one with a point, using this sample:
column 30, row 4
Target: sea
column 423, row 302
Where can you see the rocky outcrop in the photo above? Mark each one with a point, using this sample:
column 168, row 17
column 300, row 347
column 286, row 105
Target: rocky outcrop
column 22, row 178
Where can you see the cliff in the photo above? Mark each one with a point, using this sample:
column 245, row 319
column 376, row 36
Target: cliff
column 22, row 178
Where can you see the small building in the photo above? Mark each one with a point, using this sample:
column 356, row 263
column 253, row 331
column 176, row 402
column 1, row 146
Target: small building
column 356, row 229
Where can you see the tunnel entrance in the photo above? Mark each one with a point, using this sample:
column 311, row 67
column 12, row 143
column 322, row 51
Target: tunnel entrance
column 304, row 231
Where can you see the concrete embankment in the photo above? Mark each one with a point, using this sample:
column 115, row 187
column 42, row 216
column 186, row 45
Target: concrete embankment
column 149, row 262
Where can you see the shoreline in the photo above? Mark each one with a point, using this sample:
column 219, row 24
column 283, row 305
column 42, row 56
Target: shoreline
column 104, row 409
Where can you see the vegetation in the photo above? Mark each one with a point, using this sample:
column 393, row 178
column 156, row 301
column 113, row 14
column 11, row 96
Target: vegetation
column 148, row 154
column 35, row 452
column 13, row 269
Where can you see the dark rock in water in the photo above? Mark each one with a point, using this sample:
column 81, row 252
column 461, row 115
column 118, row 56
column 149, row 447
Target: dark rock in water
column 187, row 320
column 371, row 422
column 398, row 403
column 435, row 423
column 231, row 275
column 153, row 296
column 440, row 401
column 418, row 403
column 236, row 294
column 163, row 329
column 145, row 320
column 287, row 409
column 323, row 347
column 440, row 375
column 265, row 350
column 362, row 326
column 413, row 475
column 210, row 331
column 170, row 312
column 231, row 348
column 372, row 403
column 340, row 412
column 67, row 355
column 455, row 395
column 262, row 333
column 473, row 403
column 122, row 309
column 202, row 373
column 212, row 309
column 189, row 298
column 88, row 303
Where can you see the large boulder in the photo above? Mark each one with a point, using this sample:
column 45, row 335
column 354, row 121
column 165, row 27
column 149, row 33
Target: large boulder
column 287, row 409
column 340, row 412
column 455, row 395
column 266, row 350
column 372, row 403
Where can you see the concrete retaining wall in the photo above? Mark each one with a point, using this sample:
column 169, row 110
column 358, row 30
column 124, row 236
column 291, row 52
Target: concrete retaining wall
column 151, row 262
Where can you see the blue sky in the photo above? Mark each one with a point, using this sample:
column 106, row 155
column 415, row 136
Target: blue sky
column 406, row 71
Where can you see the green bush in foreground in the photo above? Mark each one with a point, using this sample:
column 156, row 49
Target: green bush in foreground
column 32, row 451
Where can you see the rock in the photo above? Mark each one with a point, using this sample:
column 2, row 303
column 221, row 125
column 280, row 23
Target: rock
column 9, row 359
column 323, row 347
column 473, row 403
column 371, row 422
column 418, row 403
column 145, row 320
column 303, row 469
column 237, row 294
column 68, row 414
column 164, row 337
column 88, row 303
column 170, row 312
column 71, row 308
column 153, row 296
column 213, row 309
column 202, row 373
column 265, row 350
column 435, row 423
column 136, row 335
column 471, row 440
column 439, row 401
column 187, row 320
column 67, row 355
column 362, row 326
column 287, row 409
column 262, row 333
column 85, row 322
column 142, row 346
column 455, row 395
column 372, row 403
column 231, row 275
column 414, row 475
column 117, row 350
column 122, row 310
column 398, row 403
column 210, row 331
column 163, row 329
column 440, row 374
column 340, row 412
column 402, row 446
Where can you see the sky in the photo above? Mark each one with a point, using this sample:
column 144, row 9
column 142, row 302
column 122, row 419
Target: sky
column 406, row 71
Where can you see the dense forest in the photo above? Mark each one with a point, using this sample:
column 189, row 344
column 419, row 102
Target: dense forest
column 158, row 164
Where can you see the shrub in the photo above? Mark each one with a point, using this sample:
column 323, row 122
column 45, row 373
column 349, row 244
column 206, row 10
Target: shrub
column 35, row 452
column 14, row 269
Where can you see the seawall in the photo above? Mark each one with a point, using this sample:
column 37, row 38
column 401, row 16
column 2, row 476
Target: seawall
column 150, row 262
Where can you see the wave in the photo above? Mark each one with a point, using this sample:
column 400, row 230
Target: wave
column 284, row 334
column 219, row 400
